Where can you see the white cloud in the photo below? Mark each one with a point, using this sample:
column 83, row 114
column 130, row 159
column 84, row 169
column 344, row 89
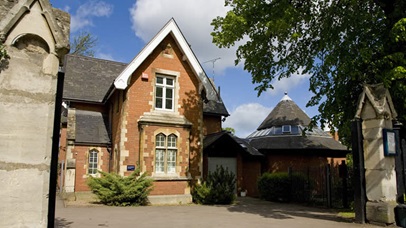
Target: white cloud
column 246, row 118
column 66, row 9
column 105, row 56
column 287, row 84
column 193, row 18
column 85, row 13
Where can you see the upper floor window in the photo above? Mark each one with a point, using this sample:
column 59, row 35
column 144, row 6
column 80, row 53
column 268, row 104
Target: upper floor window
column 165, row 153
column 164, row 92
column 93, row 161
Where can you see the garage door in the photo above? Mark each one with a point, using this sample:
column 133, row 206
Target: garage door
column 229, row 163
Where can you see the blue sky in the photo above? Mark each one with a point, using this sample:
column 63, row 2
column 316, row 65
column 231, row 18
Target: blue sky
column 123, row 27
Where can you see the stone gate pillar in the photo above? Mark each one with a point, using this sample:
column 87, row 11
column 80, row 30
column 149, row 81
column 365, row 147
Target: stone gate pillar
column 35, row 35
column 377, row 112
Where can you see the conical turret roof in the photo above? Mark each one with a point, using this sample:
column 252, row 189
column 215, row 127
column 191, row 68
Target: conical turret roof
column 285, row 129
column 286, row 112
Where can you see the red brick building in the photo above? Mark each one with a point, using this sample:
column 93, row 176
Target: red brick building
column 281, row 143
column 161, row 113
column 152, row 114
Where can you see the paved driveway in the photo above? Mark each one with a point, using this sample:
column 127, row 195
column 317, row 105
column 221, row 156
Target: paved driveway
column 247, row 212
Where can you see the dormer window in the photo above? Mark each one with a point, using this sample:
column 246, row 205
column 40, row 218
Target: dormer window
column 286, row 129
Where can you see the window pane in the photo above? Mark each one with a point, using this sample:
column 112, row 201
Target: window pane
column 159, row 161
column 160, row 140
column 159, row 92
column 278, row 130
column 168, row 104
column 286, row 128
column 169, row 98
column 158, row 103
column 92, row 166
column 169, row 93
column 171, row 163
column 169, row 81
column 158, row 97
column 295, row 130
column 172, row 141
column 164, row 92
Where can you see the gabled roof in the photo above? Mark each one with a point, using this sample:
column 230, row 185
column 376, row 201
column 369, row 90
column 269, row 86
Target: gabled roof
column 226, row 139
column 89, row 79
column 286, row 112
column 272, row 136
column 11, row 12
column 91, row 128
column 171, row 28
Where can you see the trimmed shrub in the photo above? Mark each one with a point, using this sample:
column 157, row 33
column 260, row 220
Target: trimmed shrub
column 274, row 186
column 283, row 187
column 217, row 189
column 115, row 190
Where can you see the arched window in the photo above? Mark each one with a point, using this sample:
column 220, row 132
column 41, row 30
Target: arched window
column 165, row 153
column 93, row 161
column 171, row 154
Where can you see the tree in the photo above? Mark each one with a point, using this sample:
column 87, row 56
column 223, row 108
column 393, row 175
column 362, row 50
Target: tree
column 83, row 44
column 341, row 44
column 229, row 129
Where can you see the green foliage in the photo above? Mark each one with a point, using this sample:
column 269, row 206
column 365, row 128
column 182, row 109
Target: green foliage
column 284, row 187
column 3, row 53
column 274, row 186
column 201, row 194
column 83, row 44
column 229, row 129
column 341, row 45
column 115, row 190
column 217, row 189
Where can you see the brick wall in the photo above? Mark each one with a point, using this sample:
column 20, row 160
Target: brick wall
column 211, row 124
column 134, row 143
column 170, row 188
column 81, row 153
column 281, row 163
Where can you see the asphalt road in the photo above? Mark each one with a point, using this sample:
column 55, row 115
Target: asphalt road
column 247, row 212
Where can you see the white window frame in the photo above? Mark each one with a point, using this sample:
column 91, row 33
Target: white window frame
column 288, row 130
column 165, row 87
column 93, row 162
column 166, row 147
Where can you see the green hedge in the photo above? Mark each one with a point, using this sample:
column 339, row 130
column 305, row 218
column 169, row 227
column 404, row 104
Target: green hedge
column 217, row 189
column 115, row 190
column 283, row 187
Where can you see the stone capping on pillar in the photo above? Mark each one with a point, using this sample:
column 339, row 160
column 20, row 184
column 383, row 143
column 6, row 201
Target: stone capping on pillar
column 380, row 99
column 57, row 20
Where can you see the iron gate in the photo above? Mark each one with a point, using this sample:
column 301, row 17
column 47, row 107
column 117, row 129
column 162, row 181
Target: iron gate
column 324, row 185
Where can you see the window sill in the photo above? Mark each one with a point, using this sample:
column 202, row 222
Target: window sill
column 162, row 117
column 164, row 177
